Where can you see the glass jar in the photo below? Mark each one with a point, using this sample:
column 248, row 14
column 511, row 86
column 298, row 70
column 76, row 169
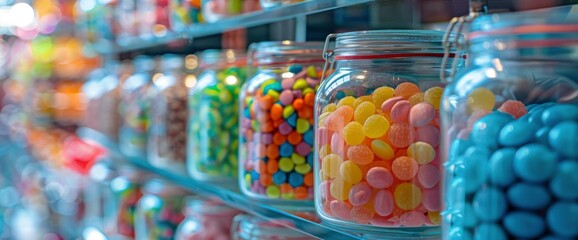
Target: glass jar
column 509, row 125
column 153, row 18
column 183, row 13
column 214, row 10
column 276, row 123
column 121, row 201
column 127, row 18
column 159, row 211
column 167, row 136
column 92, row 91
column 266, row 4
column 213, row 129
column 377, row 124
column 206, row 219
column 247, row 227
column 96, row 193
column 134, row 108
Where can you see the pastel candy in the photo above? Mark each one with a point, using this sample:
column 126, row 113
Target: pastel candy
column 432, row 199
column 340, row 209
column 360, row 194
column 564, row 184
column 389, row 103
column 534, row 163
column 429, row 134
column 421, row 114
column 428, row 175
column 400, row 111
column 412, row 219
column 383, row 203
column 563, row 137
column 379, row 178
column 524, row 224
column 515, row 108
column 562, row 218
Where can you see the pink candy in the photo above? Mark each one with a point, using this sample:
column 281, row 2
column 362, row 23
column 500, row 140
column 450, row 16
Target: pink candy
column 361, row 215
column 383, row 203
column 340, row 209
column 385, row 222
column 379, row 177
column 337, row 144
column 431, row 199
column 412, row 219
column 360, row 194
column 389, row 103
column 428, row 175
column 286, row 97
column 400, row 111
column 514, row 108
column 421, row 114
column 429, row 134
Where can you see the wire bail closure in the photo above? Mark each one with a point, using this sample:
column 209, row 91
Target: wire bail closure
column 328, row 55
column 477, row 8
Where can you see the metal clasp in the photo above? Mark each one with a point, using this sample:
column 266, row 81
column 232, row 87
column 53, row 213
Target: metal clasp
column 328, row 56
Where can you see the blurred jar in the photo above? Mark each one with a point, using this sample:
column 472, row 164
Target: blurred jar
column 183, row 13
column 206, row 219
column 153, row 18
column 159, row 211
column 213, row 10
column 127, row 18
column 134, row 107
column 67, row 105
column 167, row 137
column 97, row 193
column 247, row 227
column 213, row 130
column 92, row 91
column 277, row 3
column 121, row 200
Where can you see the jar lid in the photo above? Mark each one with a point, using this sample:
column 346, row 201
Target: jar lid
column 252, row 227
column 285, row 52
column 388, row 44
column 214, row 58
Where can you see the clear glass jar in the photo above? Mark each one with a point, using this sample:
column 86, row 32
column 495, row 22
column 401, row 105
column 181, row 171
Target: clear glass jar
column 377, row 134
column 92, row 92
column 183, row 13
column 121, row 201
column 214, row 10
column 153, row 18
column 277, row 3
column 213, row 124
column 127, row 18
column 167, row 136
column 276, row 123
column 159, row 211
column 247, row 227
column 509, row 125
column 97, row 192
column 206, row 219
column 134, row 107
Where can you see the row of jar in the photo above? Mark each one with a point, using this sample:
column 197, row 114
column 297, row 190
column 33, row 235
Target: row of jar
column 126, row 18
column 123, row 204
column 371, row 142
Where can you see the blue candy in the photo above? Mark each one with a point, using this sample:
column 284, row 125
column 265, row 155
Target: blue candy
column 247, row 113
column 295, row 179
column 469, row 217
column 292, row 120
column 500, row 169
column 295, row 68
column 531, row 106
column 486, row 130
column 310, row 159
column 517, row 133
column 535, row 115
column 458, row 147
column 273, row 86
column 524, row 224
column 255, row 176
column 559, row 113
column 487, row 231
column 562, row 219
column 475, row 160
column 564, row 138
column 457, row 233
column 528, row 196
column 534, row 163
column 286, row 150
column 339, row 95
column 279, row 177
column 490, row 204
column 308, row 137
column 564, row 184
column 542, row 135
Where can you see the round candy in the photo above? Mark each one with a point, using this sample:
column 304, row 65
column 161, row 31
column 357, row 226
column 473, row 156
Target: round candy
column 432, row 199
column 400, row 135
column 381, row 94
column 339, row 189
column 363, row 111
column 412, row 219
column 350, row 172
column 524, row 224
column 339, row 118
column 295, row 179
column 383, row 203
column 353, row 133
column 515, row 108
column 375, row 126
column 360, row 154
column 490, row 231
column 361, row 215
column 486, row 130
column 407, row 196
column 340, row 209
column 534, row 163
column 400, row 111
column 541, row 135
column 360, row 194
column 563, row 137
column 330, row 165
column 382, row 150
column 469, row 217
column 476, row 158
column 559, row 113
column 389, row 103
column 362, row 99
column 517, row 133
column 406, row 90
column 404, row 168
column 286, row 164
column 379, row 178
column 421, row 114
column 564, row 184
column 528, row 196
column 501, row 168
column 481, row 99
column 489, row 204
column 429, row 134
column 562, row 219
column 433, row 96
column 273, row 191
column 422, row 152
column 346, row 101
column 428, row 175
column 415, row 99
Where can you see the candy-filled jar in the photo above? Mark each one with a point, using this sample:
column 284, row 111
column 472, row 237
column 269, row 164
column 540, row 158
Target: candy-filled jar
column 213, row 10
column 159, row 211
column 206, row 219
column 248, row 227
column 183, row 13
column 510, row 127
column 167, row 137
column 97, row 192
column 122, row 196
column 276, row 123
column 377, row 166
column 277, row 3
column 134, row 107
column 93, row 92
column 213, row 122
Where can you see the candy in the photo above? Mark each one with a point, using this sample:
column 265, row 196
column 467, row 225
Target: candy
column 524, row 224
column 404, row 168
column 286, row 164
column 346, row 101
column 362, row 99
column 406, row 90
column 400, row 135
column 428, row 175
column 486, row 130
column 412, row 219
column 360, row 154
column 389, row 103
column 363, row 111
column 407, row 196
column 400, row 111
column 432, row 199
column 339, row 118
column 534, row 163
column 518, row 196
column 429, row 134
column 350, row 172
column 514, row 108
column 331, row 165
column 563, row 137
column 379, row 177
column 375, row 126
column 564, row 184
column 490, row 231
column 383, row 203
column 490, row 204
column 340, row 189
column 361, row 215
column 360, row 194
column 416, row 98
column 341, row 209
column 381, row 149
column 481, row 99
column 501, row 169
column 421, row 152
column 562, row 219
column 559, row 113
column 353, row 133
column 433, row 96
column 421, row 114
column 517, row 133
column 381, row 94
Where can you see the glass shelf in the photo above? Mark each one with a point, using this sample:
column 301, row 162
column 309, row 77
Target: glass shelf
column 232, row 198
column 236, row 22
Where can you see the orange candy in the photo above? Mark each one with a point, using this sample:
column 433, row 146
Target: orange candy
column 308, row 179
column 301, row 192
column 261, row 166
column 400, row 153
column 401, row 135
column 306, row 112
column 267, row 126
column 285, row 188
column 406, row 90
column 272, row 151
column 337, row 120
column 404, row 168
column 278, row 123
column 278, row 138
column 276, row 112
column 265, row 179
column 309, row 99
column 272, row 166
column 294, row 138
column 360, row 154
column 266, row 102
column 262, row 150
column 298, row 104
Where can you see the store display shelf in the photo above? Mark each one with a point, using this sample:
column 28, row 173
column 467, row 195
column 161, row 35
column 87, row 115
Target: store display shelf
column 236, row 22
column 232, row 198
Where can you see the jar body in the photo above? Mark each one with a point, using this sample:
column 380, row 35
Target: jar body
column 167, row 137
column 213, row 125
column 376, row 158
column 214, row 10
column 207, row 221
column 506, row 162
column 158, row 216
column 276, row 134
column 134, row 107
column 248, row 227
column 93, row 91
column 183, row 13
column 120, row 206
column 109, row 115
column 276, row 3
column 127, row 18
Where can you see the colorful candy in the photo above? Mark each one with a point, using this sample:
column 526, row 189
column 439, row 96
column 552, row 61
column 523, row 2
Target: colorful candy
column 159, row 212
column 386, row 147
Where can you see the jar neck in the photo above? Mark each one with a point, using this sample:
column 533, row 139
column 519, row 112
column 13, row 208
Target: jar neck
column 397, row 65
column 488, row 51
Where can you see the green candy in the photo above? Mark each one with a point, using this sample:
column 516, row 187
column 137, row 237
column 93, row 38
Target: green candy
column 302, row 125
column 311, row 72
column 273, row 191
column 308, row 90
column 297, row 159
column 303, row 169
column 274, row 94
column 300, row 84
column 286, row 164
column 287, row 111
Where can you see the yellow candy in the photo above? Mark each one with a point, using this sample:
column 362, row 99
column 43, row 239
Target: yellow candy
column 339, row 189
column 435, row 217
column 481, row 99
column 381, row 94
column 382, row 149
column 346, row 101
column 350, row 172
column 353, row 133
column 422, row 152
column 363, row 111
column 322, row 119
column 416, row 98
column 433, row 96
column 375, row 126
column 323, row 176
column 330, row 108
column 331, row 164
column 361, row 99
column 324, row 150
column 407, row 196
